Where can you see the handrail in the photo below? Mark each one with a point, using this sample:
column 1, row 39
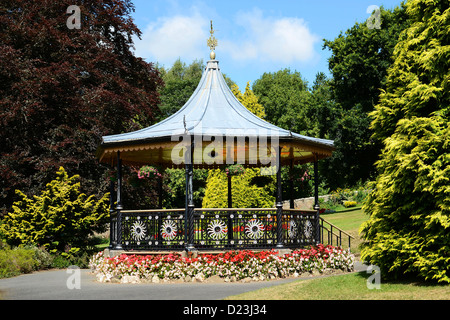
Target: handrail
column 300, row 210
column 304, row 227
column 152, row 210
column 347, row 234
column 330, row 233
column 235, row 209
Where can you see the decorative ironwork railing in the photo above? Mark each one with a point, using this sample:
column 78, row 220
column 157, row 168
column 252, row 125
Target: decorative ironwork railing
column 214, row 229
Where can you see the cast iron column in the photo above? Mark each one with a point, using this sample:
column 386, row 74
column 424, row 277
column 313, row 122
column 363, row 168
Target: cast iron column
column 279, row 204
column 316, row 199
column 230, row 205
column 189, row 164
column 119, row 206
column 112, row 228
column 291, row 184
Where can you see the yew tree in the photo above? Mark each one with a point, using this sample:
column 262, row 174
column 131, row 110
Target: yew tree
column 408, row 231
column 62, row 88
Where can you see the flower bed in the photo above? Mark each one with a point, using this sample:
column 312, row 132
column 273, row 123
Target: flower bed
column 230, row 266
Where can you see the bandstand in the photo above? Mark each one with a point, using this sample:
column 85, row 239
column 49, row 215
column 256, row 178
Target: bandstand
column 212, row 130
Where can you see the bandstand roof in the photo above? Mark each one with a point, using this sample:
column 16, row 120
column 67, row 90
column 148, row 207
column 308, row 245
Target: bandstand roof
column 211, row 111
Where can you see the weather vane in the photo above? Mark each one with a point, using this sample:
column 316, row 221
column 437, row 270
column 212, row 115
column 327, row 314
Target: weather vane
column 212, row 43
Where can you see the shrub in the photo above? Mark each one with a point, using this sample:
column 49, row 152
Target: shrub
column 15, row 261
column 245, row 194
column 59, row 218
column 408, row 231
column 349, row 204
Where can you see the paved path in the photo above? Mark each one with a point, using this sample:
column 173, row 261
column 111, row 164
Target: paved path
column 52, row 285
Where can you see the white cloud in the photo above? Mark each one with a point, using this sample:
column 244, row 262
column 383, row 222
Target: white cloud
column 283, row 40
column 170, row 38
column 251, row 36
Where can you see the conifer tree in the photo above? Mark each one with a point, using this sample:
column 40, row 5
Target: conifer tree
column 408, row 231
column 60, row 218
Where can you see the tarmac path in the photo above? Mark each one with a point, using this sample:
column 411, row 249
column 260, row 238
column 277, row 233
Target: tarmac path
column 59, row 285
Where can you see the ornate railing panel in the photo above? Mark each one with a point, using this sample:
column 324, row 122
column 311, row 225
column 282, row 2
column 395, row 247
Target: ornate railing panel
column 234, row 229
column 153, row 229
column 299, row 228
column 214, row 229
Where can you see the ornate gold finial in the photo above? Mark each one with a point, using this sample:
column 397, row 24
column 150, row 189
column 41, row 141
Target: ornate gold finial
column 212, row 43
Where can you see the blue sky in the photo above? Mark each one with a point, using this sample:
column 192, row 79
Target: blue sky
column 254, row 36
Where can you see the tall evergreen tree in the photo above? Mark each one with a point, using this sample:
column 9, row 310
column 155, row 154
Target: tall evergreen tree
column 409, row 226
column 63, row 88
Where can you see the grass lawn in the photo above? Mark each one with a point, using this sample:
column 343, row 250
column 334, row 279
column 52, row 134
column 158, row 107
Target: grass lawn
column 348, row 287
column 348, row 220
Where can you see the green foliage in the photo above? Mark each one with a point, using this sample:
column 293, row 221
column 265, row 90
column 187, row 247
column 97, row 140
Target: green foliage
column 352, row 161
column 244, row 193
column 175, row 180
column 180, row 82
column 286, row 100
column 359, row 62
column 324, row 111
column 60, row 218
column 360, row 59
column 249, row 100
column 409, row 226
column 23, row 260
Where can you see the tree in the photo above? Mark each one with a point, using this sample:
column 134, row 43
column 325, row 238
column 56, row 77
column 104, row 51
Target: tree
column 360, row 59
column 60, row 218
column 245, row 193
column 324, row 112
column 286, row 100
column 62, row 89
column 180, row 83
column 359, row 62
column 249, row 100
column 175, row 180
column 291, row 104
column 408, row 231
